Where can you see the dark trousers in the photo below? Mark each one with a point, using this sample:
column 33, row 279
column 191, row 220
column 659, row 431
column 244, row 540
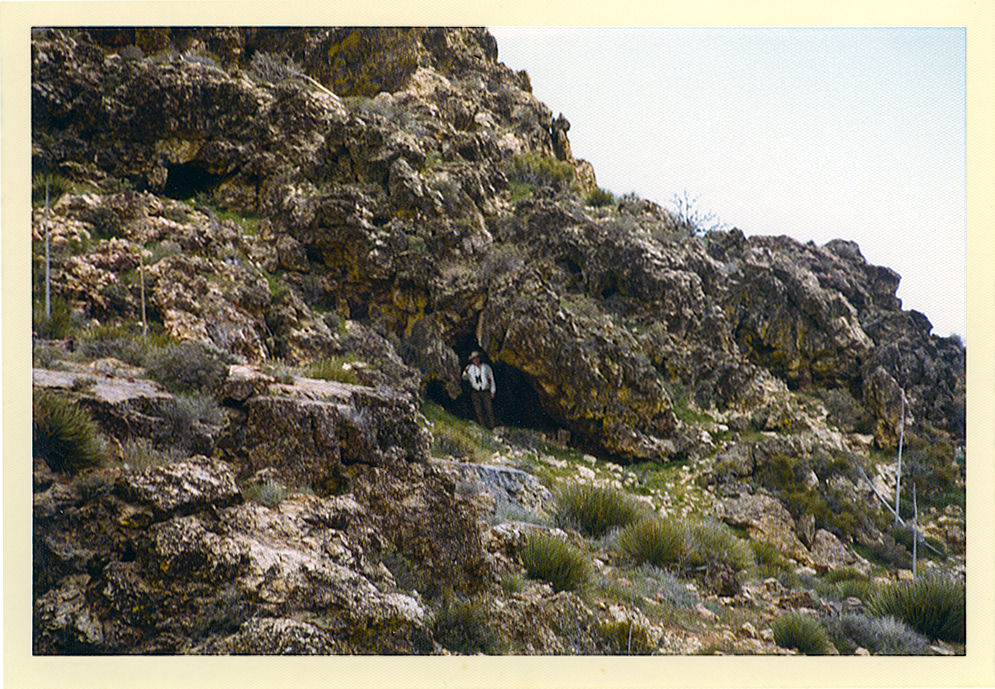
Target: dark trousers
column 482, row 406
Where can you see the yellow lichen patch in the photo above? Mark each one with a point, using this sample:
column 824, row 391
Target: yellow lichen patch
column 346, row 44
column 179, row 150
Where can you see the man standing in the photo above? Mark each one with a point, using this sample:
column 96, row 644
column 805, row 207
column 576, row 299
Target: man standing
column 482, row 389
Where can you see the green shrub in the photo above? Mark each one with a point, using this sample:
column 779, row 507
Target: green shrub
column 268, row 492
column 341, row 369
column 59, row 325
column 625, row 638
column 139, row 454
column 595, row 510
column 890, row 552
column 785, row 477
column 540, row 171
column 794, row 630
column 464, row 627
column 552, row 559
column 64, row 434
column 879, row 635
column 111, row 340
column 600, row 198
column 518, row 191
column 712, row 541
column 934, row 606
column 190, row 366
column 654, row 541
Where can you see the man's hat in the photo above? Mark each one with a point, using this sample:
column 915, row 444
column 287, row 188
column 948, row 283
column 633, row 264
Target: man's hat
column 473, row 355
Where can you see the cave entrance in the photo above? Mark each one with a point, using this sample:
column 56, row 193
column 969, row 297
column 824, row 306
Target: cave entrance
column 516, row 402
column 186, row 180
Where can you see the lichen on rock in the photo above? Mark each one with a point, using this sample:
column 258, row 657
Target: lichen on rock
column 334, row 235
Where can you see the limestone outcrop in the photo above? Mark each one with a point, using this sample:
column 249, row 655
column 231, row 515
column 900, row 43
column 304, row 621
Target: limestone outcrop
column 333, row 218
column 382, row 203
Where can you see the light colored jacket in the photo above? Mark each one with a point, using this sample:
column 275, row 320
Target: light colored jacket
column 480, row 377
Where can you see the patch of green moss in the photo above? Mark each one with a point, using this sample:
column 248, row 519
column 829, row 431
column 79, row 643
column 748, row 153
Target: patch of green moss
column 341, row 369
column 455, row 437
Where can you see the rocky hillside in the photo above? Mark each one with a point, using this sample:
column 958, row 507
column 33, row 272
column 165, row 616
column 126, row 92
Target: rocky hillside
column 270, row 252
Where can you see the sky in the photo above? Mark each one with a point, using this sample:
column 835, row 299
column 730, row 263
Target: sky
column 818, row 134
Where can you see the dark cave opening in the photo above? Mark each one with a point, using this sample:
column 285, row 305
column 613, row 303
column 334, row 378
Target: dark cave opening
column 516, row 402
column 186, row 180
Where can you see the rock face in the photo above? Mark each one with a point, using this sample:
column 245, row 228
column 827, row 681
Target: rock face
column 174, row 558
column 385, row 200
column 199, row 578
column 382, row 197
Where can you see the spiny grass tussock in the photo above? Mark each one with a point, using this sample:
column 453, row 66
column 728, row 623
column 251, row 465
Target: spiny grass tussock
column 64, row 434
column 934, row 606
column 848, row 583
column 654, row 541
column 552, row 559
column 595, row 510
column 802, row 632
column 190, row 366
column 713, row 541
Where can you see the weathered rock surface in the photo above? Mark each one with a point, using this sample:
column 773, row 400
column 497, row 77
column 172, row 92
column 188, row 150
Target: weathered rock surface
column 173, row 559
column 390, row 208
column 216, row 580
column 765, row 519
column 299, row 196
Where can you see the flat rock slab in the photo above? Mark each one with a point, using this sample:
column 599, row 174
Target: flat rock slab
column 112, row 390
column 183, row 487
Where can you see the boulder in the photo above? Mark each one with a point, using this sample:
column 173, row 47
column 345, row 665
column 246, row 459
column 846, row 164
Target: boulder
column 181, row 488
column 214, row 581
column 828, row 553
column 765, row 519
column 513, row 494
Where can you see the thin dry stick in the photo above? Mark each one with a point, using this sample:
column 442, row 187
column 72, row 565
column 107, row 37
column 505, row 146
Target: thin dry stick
column 915, row 530
column 314, row 82
column 145, row 321
column 888, row 505
column 48, row 262
column 898, row 477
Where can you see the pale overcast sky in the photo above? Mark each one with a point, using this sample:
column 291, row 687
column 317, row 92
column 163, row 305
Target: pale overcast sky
column 816, row 133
